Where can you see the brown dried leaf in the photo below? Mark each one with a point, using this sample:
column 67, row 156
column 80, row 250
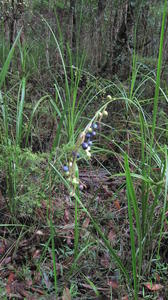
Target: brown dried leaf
column 2, row 248
column 11, row 278
column 36, row 254
column 107, row 191
column 29, row 283
column 9, row 283
column 112, row 236
column 66, row 215
column 117, row 204
column 157, row 277
column 6, row 260
column 124, row 298
column 153, row 287
column 37, row 291
column 69, row 241
column 86, row 223
column 113, row 284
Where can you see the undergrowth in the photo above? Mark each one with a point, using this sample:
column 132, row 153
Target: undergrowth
column 77, row 223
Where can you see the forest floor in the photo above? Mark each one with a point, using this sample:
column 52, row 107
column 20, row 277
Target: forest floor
column 26, row 261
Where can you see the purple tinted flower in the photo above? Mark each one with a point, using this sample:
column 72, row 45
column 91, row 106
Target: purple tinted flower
column 65, row 168
column 88, row 135
column 81, row 187
column 94, row 133
column 94, row 126
column 84, row 146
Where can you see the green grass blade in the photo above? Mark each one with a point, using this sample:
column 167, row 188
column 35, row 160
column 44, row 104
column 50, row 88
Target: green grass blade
column 4, row 109
column 8, row 61
column 159, row 67
column 31, row 117
column 92, row 285
column 134, row 203
column 133, row 250
column 76, row 235
column 165, row 200
column 54, row 258
column 19, row 121
column 144, row 193
column 67, row 102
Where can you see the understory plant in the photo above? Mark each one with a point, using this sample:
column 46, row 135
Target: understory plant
column 144, row 227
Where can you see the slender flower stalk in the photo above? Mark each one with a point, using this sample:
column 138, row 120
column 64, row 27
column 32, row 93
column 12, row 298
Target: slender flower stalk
column 85, row 140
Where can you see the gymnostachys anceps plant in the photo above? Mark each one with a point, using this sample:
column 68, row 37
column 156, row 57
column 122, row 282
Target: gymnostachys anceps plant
column 85, row 141
column 132, row 199
column 71, row 181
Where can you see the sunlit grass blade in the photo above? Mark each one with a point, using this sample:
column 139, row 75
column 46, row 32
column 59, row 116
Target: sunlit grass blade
column 6, row 65
column 92, row 285
column 4, row 109
column 134, row 203
column 20, row 106
column 144, row 192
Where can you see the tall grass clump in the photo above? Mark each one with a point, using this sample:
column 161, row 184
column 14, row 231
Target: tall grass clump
column 142, row 181
column 141, row 211
column 70, row 106
column 15, row 132
column 11, row 162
